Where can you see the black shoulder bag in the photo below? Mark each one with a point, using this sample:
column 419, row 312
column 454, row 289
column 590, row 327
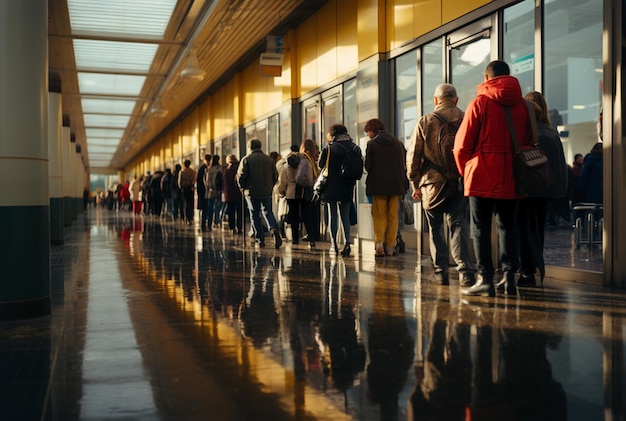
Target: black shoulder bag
column 531, row 168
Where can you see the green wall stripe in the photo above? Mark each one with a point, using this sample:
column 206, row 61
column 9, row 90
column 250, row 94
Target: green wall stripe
column 24, row 253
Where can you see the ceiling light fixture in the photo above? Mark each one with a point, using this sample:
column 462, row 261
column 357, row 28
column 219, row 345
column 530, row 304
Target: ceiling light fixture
column 157, row 109
column 192, row 71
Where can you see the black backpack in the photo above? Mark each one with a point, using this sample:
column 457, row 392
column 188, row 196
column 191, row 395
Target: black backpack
column 445, row 144
column 352, row 164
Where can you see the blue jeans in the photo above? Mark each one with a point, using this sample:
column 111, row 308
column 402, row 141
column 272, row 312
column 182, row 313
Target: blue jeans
column 217, row 213
column 210, row 210
column 258, row 207
column 481, row 211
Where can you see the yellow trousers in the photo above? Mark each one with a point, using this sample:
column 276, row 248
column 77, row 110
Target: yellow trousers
column 385, row 218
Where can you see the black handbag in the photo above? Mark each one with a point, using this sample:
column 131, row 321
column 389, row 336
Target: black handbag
column 531, row 168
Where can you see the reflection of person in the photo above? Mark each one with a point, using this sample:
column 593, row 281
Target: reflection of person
column 339, row 191
column 338, row 328
column 258, row 315
column 525, row 376
column 443, row 203
column 390, row 344
column 443, row 390
column 533, row 211
column 256, row 176
column 591, row 176
column 577, row 167
column 484, row 154
column 385, row 160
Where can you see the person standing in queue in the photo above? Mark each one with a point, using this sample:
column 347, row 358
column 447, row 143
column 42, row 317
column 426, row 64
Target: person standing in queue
column 442, row 199
column 338, row 193
column 386, row 182
column 484, row 154
column 256, row 176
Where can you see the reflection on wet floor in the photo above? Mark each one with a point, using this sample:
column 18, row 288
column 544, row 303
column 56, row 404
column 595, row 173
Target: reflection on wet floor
column 157, row 320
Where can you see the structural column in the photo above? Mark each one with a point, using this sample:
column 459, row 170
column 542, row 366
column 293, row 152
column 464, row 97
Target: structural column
column 55, row 162
column 24, row 198
column 65, row 157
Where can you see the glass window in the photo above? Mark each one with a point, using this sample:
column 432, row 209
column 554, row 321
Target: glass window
column 468, row 60
column 332, row 112
column 349, row 108
column 519, row 43
column 272, row 133
column 406, row 95
column 311, row 120
column 573, row 70
column 432, row 73
column 285, row 130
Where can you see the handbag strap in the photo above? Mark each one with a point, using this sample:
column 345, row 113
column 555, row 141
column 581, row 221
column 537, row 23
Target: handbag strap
column 533, row 124
column 325, row 170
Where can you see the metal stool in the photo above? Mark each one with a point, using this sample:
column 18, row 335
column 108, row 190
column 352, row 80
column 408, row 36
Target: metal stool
column 589, row 209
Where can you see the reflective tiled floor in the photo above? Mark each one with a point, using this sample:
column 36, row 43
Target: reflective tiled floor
column 158, row 321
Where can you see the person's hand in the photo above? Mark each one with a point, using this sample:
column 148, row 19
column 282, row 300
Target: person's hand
column 417, row 194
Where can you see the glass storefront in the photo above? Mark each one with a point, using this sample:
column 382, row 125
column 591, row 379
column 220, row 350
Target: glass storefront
column 570, row 46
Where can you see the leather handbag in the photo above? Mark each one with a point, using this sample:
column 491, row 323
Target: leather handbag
column 322, row 178
column 531, row 168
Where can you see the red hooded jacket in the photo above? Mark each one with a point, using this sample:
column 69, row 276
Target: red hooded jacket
column 482, row 147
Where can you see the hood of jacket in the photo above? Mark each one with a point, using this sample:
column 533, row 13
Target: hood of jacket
column 505, row 90
column 384, row 137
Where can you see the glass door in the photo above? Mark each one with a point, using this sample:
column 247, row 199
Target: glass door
column 470, row 49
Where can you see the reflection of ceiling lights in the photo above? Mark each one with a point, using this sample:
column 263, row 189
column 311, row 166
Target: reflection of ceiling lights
column 578, row 107
column 476, row 52
column 193, row 70
column 158, row 110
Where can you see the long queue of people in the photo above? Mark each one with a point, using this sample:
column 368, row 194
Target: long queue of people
column 458, row 164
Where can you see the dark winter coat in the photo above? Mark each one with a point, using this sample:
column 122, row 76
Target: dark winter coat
column 338, row 189
column 230, row 189
column 385, row 160
column 591, row 178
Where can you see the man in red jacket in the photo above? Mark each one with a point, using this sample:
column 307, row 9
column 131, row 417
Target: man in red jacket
column 484, row 155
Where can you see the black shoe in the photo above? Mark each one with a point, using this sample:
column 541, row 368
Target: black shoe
column 526, row 281
column 507, row 284
column 277, row 240
column 441, row 278
column 311, row 244
column 346, row 251
column 467, row 279
column 481, row 287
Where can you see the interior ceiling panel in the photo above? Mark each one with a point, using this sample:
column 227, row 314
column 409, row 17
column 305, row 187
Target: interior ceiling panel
column 226, row 35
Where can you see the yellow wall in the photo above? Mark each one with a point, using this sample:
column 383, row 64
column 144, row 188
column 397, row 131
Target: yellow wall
column 369, row 15
column 452, row 9
column 410, row 19
column 260, row 94
column 324, row 51
column 223, row 110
